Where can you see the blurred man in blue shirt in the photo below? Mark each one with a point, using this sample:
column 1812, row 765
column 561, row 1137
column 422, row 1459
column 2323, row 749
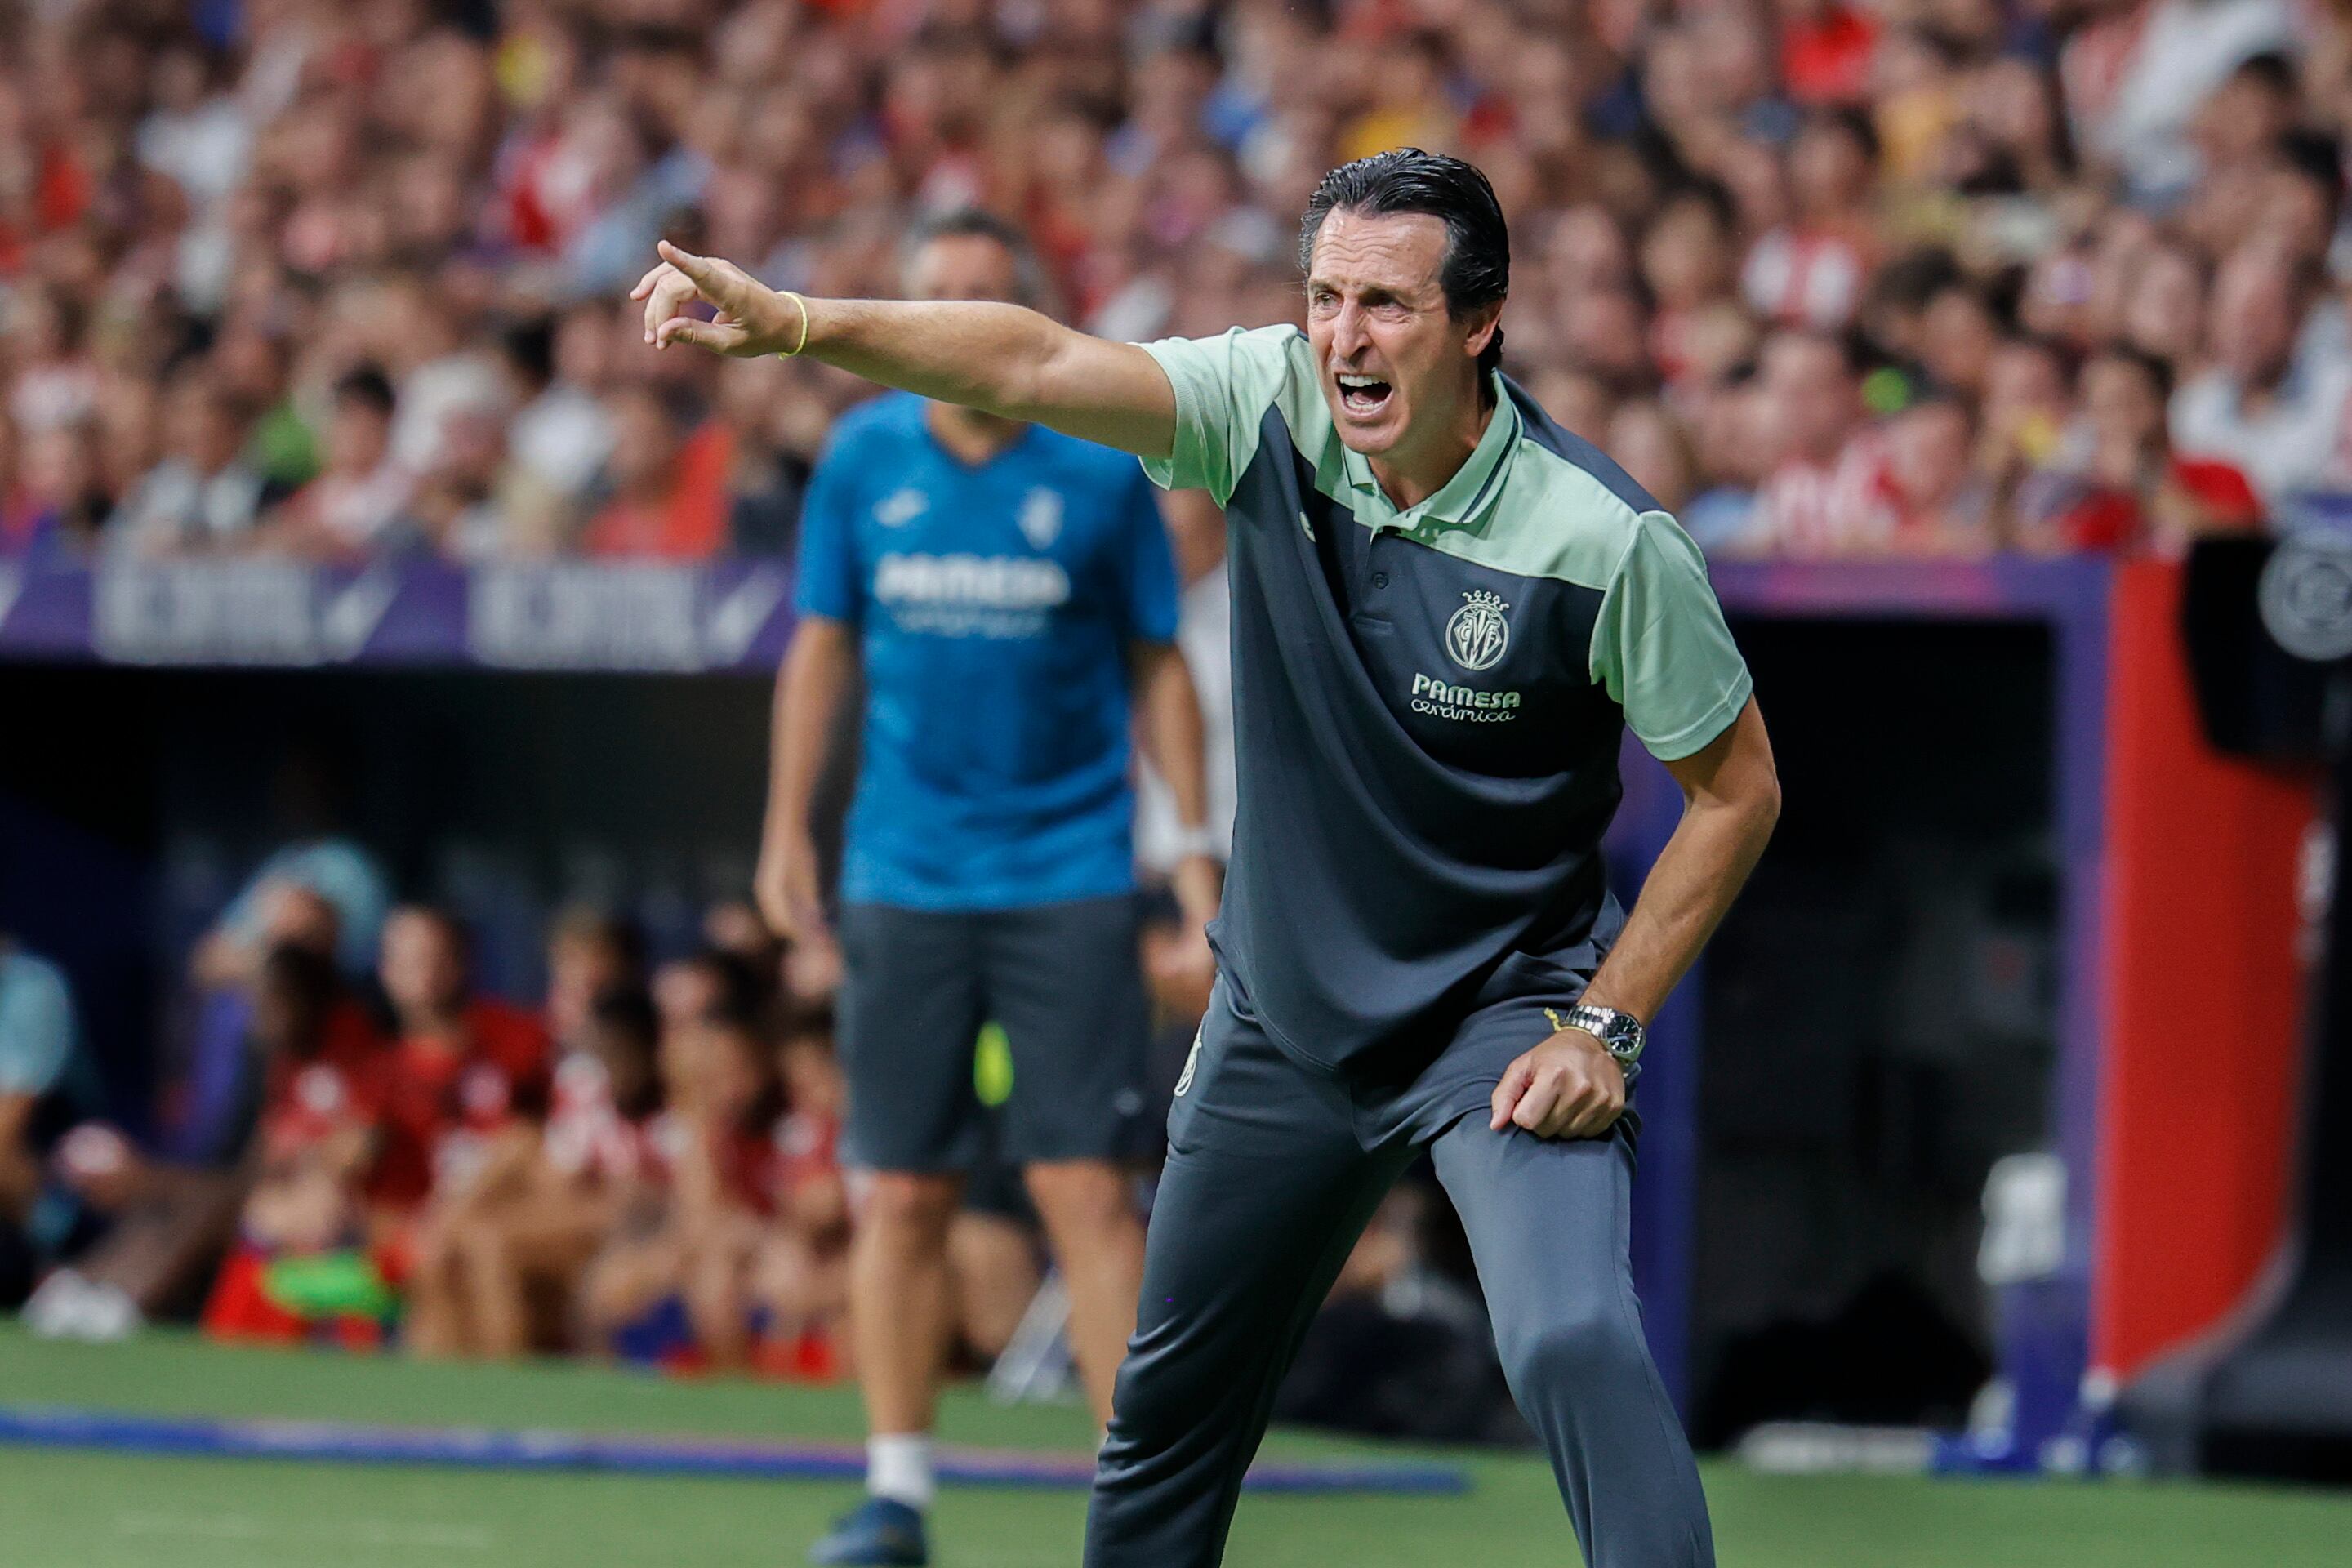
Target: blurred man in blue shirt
column 45, row 1084
column 1009, row 595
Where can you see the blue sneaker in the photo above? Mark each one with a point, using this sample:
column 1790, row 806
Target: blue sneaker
column 880, row 1532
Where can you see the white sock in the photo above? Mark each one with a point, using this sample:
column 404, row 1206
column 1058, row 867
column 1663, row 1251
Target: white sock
column 898, row 1466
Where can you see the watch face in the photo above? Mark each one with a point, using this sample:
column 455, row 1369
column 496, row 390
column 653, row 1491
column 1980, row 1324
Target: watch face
column 1620, row 1034
column 1624, row 1037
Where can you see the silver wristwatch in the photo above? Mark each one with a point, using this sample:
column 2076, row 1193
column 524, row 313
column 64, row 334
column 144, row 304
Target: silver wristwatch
column 1620, row 1034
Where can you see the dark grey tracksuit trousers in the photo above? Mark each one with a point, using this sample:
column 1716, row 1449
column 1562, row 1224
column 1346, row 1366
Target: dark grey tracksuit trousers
column 1273, row 1168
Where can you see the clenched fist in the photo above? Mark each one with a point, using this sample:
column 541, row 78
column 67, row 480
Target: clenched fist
column 1568, row 1087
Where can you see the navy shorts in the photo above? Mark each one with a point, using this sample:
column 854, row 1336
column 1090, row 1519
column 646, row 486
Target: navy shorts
column 1065, row 983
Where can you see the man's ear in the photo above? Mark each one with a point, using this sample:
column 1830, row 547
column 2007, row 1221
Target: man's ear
column 1480, row 327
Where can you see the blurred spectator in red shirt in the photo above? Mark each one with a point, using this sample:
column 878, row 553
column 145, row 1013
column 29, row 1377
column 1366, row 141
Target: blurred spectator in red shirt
column 319, row 1132
column 522, row 1259
column 325, row 1094
column 59, row 502
column 1826, row 50
column 667, row 488
column 2113, row 483
column 730, row 1179
column 469, row 1074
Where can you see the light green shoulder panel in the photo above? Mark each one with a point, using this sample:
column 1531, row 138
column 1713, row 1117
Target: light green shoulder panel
column 1223, row 386
column 1552, row 520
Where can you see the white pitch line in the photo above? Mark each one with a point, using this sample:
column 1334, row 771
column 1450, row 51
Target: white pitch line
column 393, row 1533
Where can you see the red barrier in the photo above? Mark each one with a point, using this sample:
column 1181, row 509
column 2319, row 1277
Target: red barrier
column 2204, row 998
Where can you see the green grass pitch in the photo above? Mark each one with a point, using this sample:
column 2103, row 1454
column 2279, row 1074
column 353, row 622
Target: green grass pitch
column 73, row 1509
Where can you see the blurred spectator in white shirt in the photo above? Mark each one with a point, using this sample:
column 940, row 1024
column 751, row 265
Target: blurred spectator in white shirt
column 203, row 496
column 561, row 436
column 2276, row 416
column 363, row 489
column 435, row 372
column 2137, row 75
column 195, row 133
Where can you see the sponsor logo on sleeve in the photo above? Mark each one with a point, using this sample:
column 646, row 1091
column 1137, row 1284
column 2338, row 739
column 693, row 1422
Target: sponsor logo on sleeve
column 901, row 507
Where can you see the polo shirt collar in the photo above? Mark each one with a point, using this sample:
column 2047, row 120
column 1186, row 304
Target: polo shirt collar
column 1462, row 499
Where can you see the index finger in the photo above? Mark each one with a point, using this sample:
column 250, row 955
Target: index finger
column 701, row 268
column 1506, row 1098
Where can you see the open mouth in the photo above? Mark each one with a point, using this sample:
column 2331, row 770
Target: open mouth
column 1363, row 395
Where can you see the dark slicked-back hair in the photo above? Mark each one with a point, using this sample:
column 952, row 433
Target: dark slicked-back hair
column 1476, row 271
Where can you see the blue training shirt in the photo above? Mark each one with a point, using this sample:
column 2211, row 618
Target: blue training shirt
column 994, row 606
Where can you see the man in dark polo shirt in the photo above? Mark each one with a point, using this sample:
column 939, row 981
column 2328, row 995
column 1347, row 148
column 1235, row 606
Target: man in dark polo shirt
column 1445, row 608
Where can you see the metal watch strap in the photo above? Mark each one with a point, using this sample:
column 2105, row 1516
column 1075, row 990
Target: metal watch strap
column 1621, row 1034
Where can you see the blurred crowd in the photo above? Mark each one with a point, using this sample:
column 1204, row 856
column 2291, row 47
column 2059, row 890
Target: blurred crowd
column 348, row 1139
column 644, row 1165
column 345, row 1135
column 1831, row 277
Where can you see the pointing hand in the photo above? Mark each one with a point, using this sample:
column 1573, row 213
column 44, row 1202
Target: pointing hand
column 751, row 319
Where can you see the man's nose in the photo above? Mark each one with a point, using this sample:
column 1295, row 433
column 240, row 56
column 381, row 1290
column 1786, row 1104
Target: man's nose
column 1347, row 333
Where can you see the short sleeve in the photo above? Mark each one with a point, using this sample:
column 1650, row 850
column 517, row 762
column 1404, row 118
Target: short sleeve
column 1224, row 388
column 36, row 1026
column 825, row 582
column 1660, row 647
column 1147, row 567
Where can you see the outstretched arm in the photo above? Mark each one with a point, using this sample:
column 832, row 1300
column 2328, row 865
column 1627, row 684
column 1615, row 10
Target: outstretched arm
column 1002, row 358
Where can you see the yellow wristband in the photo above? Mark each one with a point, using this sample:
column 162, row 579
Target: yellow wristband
column 803, row 305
